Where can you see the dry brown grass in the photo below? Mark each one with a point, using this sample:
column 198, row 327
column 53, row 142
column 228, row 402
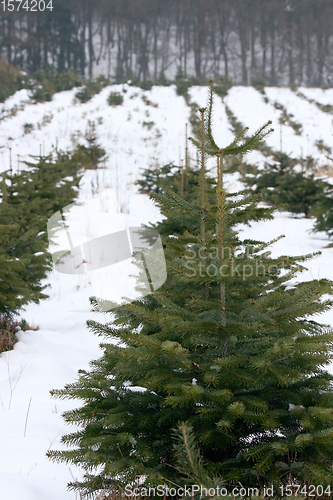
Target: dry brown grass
column 8, row 329
column 325, row 170
column 8, row 72
column 9, row 78
column 118, row 494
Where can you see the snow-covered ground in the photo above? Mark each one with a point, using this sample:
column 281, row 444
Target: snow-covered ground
column 148, row 129
column 318, row 95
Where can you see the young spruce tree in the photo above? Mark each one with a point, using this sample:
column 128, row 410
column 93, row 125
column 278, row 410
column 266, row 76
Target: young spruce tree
column 28, row 199
column 282, row 186
column 227, row 345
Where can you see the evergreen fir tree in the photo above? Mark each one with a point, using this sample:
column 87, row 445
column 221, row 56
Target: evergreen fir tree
column 228, row 345
column 190, row 462
column 23, row 249
column 53, row 183
column 93, row 154
column 323, row 211
column 28, row 199
column 183, row 182
column 282, row 186
column 154, row 179
column 15, row 291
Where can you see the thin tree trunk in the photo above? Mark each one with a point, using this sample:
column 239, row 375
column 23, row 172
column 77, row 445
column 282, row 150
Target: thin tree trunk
column 90, row 42
column 253, row 51
column 290, row 53
column 273, row 78
column 220, row 195
column 264, row 45
column 308, row 58
column 203, row 208
column 320, row 58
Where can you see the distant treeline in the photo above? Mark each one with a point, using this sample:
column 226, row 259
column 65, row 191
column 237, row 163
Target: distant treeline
column 279, row 41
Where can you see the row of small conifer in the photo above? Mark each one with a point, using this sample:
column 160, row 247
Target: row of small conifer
column 28, row 198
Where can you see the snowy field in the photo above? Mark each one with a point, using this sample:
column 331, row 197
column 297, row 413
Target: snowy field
column 147, row 130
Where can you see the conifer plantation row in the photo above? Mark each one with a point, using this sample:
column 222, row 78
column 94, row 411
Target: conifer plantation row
column 28, row 199
column 298, row 191
column 220, row 376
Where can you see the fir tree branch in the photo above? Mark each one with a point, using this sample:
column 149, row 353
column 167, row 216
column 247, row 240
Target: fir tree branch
column 190, row 460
